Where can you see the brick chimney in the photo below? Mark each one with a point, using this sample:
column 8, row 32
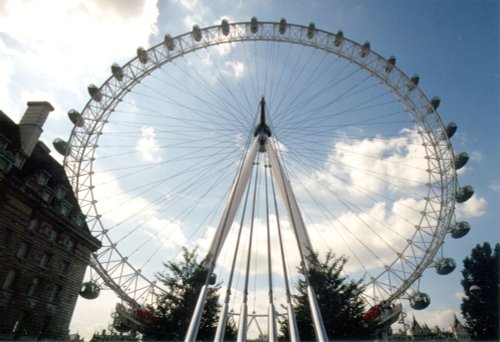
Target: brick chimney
column 30, row 127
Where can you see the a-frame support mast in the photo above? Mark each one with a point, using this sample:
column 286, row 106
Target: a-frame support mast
column 261, row 143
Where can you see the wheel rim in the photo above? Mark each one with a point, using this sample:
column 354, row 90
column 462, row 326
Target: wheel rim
column 390, row 278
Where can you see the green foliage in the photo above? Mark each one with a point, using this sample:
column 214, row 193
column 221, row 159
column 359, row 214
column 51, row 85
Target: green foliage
column 338, row 298
column 182, row 282
column 480, row 308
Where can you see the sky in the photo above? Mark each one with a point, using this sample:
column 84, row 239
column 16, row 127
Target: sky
column 52, row 50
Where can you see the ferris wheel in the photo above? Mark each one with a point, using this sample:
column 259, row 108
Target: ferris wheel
column 258, row 143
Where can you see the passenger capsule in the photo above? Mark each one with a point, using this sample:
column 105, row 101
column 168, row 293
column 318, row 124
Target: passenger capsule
column 196, row 33
column 90, row 290
column 95, row 92
column 413, row 83
column 212, row 279
column 445, row 266
column 282, row 26
column 460, row 229
column 225, row 27
column 460, row 160
column 339, row 38
column 311, row 29
column 464, row 194
column 474, row 290
column 451, row 128
column 76, row 118
column 142, row 55
column 169, row 42
column 120, row 326
column 433, row 104
column 365, row 49
column 389, row 65
column 62, row 147
column 117, row 71
column 420, row 301
column 254, row 25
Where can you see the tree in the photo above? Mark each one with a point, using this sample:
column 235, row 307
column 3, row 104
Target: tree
column 481, row 286
column 174, row 308
column 339, row 301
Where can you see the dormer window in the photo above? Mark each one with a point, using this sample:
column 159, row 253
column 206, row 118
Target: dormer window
column 79, row 219
column 33, row 225
column 60, row 191
column 5, row 163
column 46, row 194
column 63, row 207
column 3, row 142
column 19, row 160
column 42, row 177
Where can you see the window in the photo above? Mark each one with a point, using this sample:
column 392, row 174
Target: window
column 63, row 267
column 22, row 251
column 45, row 260
column 19, row 160
column 9, row 280
column 33, row 225
column 5, row 237
column 63, row 207
column 33, row 289
column 53, row 234
column 42, row 177
column 70, row 245
column 46, row 194
column 55, row 291
column 60, row 191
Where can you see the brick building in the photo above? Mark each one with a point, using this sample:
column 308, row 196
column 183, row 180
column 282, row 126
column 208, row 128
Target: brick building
column 45, row 244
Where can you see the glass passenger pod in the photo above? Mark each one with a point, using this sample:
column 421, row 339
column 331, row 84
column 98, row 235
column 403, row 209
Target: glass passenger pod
column 464, row 194
column 365, row 49
column 460, row 160
column 76, row 118
column 62, row 147
column 90, row 290
column 254, row 25
column 339, row 38
column 389, row 65
column 117, row 71
column 433, row 104
column 311, row 30
column 451, row 128
column 460, row 229
column 225, row 27
column 169, row 42
column 282, row 26
column 95, row 93
column 413, row 83
column 420, row 301
column 445, row 266
column 196, row 33
column 142, row 55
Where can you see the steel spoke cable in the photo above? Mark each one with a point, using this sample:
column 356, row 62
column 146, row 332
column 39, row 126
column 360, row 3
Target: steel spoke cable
column 230, row 106
column 240, row 108
column 363, row 190
column 162, row 208
column 155, row 184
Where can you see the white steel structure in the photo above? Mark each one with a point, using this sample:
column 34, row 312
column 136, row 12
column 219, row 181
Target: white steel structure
column 344, row 153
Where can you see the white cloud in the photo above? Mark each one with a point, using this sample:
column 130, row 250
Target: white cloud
column 237, row 69
column 46, row 39
column 148, row 146
column 474, row 207
column 495, row 185
column 476, row 156
column 91, row 316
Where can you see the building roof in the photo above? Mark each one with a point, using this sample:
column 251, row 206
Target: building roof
column 39, row 159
